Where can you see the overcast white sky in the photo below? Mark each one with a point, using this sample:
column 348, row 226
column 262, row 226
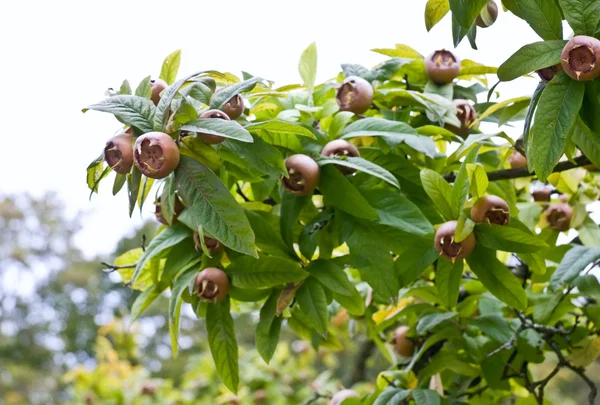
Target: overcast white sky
column 58, row 56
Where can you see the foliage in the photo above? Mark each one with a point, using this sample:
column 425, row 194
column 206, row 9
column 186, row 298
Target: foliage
column 364, row 243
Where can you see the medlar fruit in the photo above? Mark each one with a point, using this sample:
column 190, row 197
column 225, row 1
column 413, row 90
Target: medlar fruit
column 212, row 245
column 442, row 67
column 517, row 161
column 466, row 115
column 304, row 175
column 340, row 147
column 234, row 107
column 488, row 15
column 447, row 247
column 578, row 58
column 156, row 154
column 491, row 209
column 559, row 216
column 118, row 153
column 176, row 210
column 404, row 346
column 355, row 95
column 212, row 139
column 158, row 85
column 211, row 284
column 542, row 195
column 547, row 74
column 342, row 395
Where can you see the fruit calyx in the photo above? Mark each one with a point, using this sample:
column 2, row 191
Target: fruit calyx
column 118, row 153
column 355, row 94
column 442, row 67
column 339, row 148
column 447, row 247
column 212, row 245
column 491, row 209
column 156, row 154
column 579, row 58
column 303, row 175
column 212, row 139
column 211, row 284
column 466, row 114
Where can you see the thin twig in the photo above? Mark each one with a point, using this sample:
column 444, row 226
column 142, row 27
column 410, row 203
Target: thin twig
column 109, row 268
column 241, row 193
column 315, row 398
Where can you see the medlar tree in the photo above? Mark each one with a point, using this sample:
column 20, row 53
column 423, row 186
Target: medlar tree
column 377, row 194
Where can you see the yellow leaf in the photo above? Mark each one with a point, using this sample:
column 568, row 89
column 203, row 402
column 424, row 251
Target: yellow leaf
column 392, row 310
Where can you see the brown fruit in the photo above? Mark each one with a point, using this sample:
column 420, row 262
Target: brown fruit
column 158, row 211
column 404, row 346
column 212, row 284
column 156, row 154
column 466, row 115
column 212, row 139
column 234, row 108
column 488, row 15
column 149, row 390
column 542, row 195
column 517, row 161
column 158, row 85
column 578, row 58
column 491, row 209
column 447, row 247
column 212, row 245
column 118, row 153
column 343, row 395
column 547, row 74
column 303, row 175
column 559, row 216
column 355, row 95
column 442, row 67
column 340, row 147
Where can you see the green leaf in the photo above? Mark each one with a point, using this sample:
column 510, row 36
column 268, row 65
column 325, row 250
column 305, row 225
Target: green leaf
column 543, row 16
column 332, row 276
column 582, row 15
column 221, row 98
column 458, row 31
column 279, row 127
column 313, row 302
column 120, row 180
column 125, row 88
column 307, row 67
column 144, row 191
column 291, row 206
column 226, row 129
column 183, row 282
column 588, row 286
column 465, row 11
column 212, row 207
column 95, row 173
column 507, row 239
column 530, row 58
column 257, row 156
column 494, row 326
column 180, row 258
column 440, row 192
column 170, row 67
column 133, row 187
column 268, row 328
column 478, row 179
column 447, row 281
column 556, row 114
column 435, row 10
column 131, row 110
column 164, row 105
column 460, row 189
column 223, row 343
column 426, row 397
column 362, row 165
column 198, row 91
column 430, row 321
column 587, row 141
column 535, row 98
column 268, row 240
column 392, row 396
column 339, row 122
column 341, row 193
column 497, row 278
column 413, row 262
column 171, row 236
column 127, row 262
column 143, row 301
column 144, row 89
column 573, row 263
column 266, row 272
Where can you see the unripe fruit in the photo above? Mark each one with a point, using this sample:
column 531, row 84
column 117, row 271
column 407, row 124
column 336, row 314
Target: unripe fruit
column 340, row 147
column 488, row 15
column 176, row 211
column 211, row 284
column 466, row 115
column 355, row 95
column 212, row 139
column 158, row 85
column 578, row 58
column 156, row 154
column 404, row 346
column 118, row 153
column 491, row 209
column 547, row 74
column 517, row 161
column 342, row 395
column 447, row 247
column 234, row 108
column 304, row 175
column 559, row 216
column 542, row 195
column 212, row 245
column 442, row 67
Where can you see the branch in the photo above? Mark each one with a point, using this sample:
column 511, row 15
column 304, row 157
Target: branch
column 522, row 172
column 359, row 370
column 315, row 398
column 109, row 268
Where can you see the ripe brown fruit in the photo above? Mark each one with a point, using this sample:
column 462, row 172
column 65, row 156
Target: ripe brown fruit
column 442, row 67
column 156, row 154
column 176, row 210
column 304, row 175
column 212, row 245
column 547, row 74
column 404, row 346
column 447, row 247
column 118, row 153
column 491, row 209
column 466, row 115
column 542, row 195
column 158, row 85
column 234, row 108
column 212, row 139
column 340, row 147
column 488, row 15
column 517, row 161
column 355, row 95
column 579, row 58
column 559, row 216
column 342, row 395
column 211, row 284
